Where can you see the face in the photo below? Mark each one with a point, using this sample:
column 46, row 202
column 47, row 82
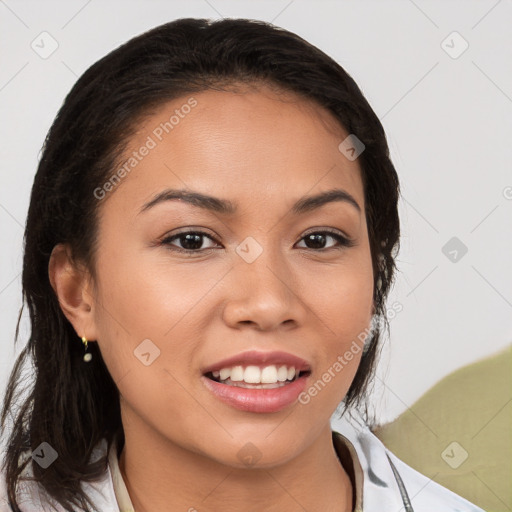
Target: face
column 264, row 277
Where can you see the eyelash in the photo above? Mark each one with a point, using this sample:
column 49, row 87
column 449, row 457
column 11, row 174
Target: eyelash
column 342, row 241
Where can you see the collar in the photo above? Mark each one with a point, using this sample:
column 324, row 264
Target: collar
column 121, row 492
column 381, row 481
column 346, row 452
column 380, row 487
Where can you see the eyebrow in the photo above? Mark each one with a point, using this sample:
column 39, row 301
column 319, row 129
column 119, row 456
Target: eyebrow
column 226, row 207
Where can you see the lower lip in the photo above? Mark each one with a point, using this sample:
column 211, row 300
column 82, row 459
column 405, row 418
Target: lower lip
column 257, row 400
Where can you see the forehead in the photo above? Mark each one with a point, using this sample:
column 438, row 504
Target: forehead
column 249, row 145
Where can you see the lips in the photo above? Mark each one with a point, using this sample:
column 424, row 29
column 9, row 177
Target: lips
column 258, row 398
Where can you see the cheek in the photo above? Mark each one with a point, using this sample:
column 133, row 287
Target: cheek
column 143, row 335
column 344, row 306
column 144, row 295
column 343, row 299
column 144, row 345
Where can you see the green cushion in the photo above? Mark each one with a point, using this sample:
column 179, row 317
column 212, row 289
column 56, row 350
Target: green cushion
column 459, row 433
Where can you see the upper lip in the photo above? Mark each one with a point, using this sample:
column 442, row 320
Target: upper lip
column 256, row 358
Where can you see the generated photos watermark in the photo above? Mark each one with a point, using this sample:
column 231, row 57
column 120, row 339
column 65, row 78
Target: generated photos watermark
column 342, row 360
column 152, row 141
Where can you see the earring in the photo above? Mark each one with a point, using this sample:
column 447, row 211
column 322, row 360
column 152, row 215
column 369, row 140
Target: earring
column 87, row 356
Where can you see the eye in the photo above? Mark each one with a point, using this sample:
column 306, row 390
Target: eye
column 191, row 241
column 316, row 238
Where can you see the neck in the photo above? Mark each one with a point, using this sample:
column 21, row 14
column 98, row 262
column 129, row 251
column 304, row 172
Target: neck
column 174, row 478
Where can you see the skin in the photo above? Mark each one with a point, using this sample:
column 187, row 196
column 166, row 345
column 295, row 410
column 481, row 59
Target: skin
column 262, row 151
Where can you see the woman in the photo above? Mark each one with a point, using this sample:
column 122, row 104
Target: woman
column 214, row 221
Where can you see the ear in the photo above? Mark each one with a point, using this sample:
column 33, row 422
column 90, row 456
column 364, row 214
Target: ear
column 72, row 285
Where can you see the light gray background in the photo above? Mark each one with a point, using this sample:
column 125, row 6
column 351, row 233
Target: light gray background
column 448, row 122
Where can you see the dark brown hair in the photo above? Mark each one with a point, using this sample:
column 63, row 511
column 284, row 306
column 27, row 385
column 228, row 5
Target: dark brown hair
column 70, row 404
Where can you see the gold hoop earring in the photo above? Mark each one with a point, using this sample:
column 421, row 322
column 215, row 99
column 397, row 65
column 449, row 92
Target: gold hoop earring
column 87, row 355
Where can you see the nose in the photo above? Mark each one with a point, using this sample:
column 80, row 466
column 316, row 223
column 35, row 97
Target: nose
column 263, row 294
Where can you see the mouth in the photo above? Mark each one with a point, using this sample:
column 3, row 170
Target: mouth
column 266, row 389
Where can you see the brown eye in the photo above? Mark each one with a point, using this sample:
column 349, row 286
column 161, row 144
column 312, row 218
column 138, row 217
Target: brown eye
column 191, row 241
column 317, row 240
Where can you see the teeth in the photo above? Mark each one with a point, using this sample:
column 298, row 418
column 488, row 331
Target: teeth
column 282, row 374
column 255, row 375
column 224, row 374
column 252, row 375
column 237, row 373
column 269, row 375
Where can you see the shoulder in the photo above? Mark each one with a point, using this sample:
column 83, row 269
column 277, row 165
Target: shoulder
column 389, row 483
column 31, row 496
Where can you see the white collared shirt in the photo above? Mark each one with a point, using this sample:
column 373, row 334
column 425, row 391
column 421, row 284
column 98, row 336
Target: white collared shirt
column 381, row 481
